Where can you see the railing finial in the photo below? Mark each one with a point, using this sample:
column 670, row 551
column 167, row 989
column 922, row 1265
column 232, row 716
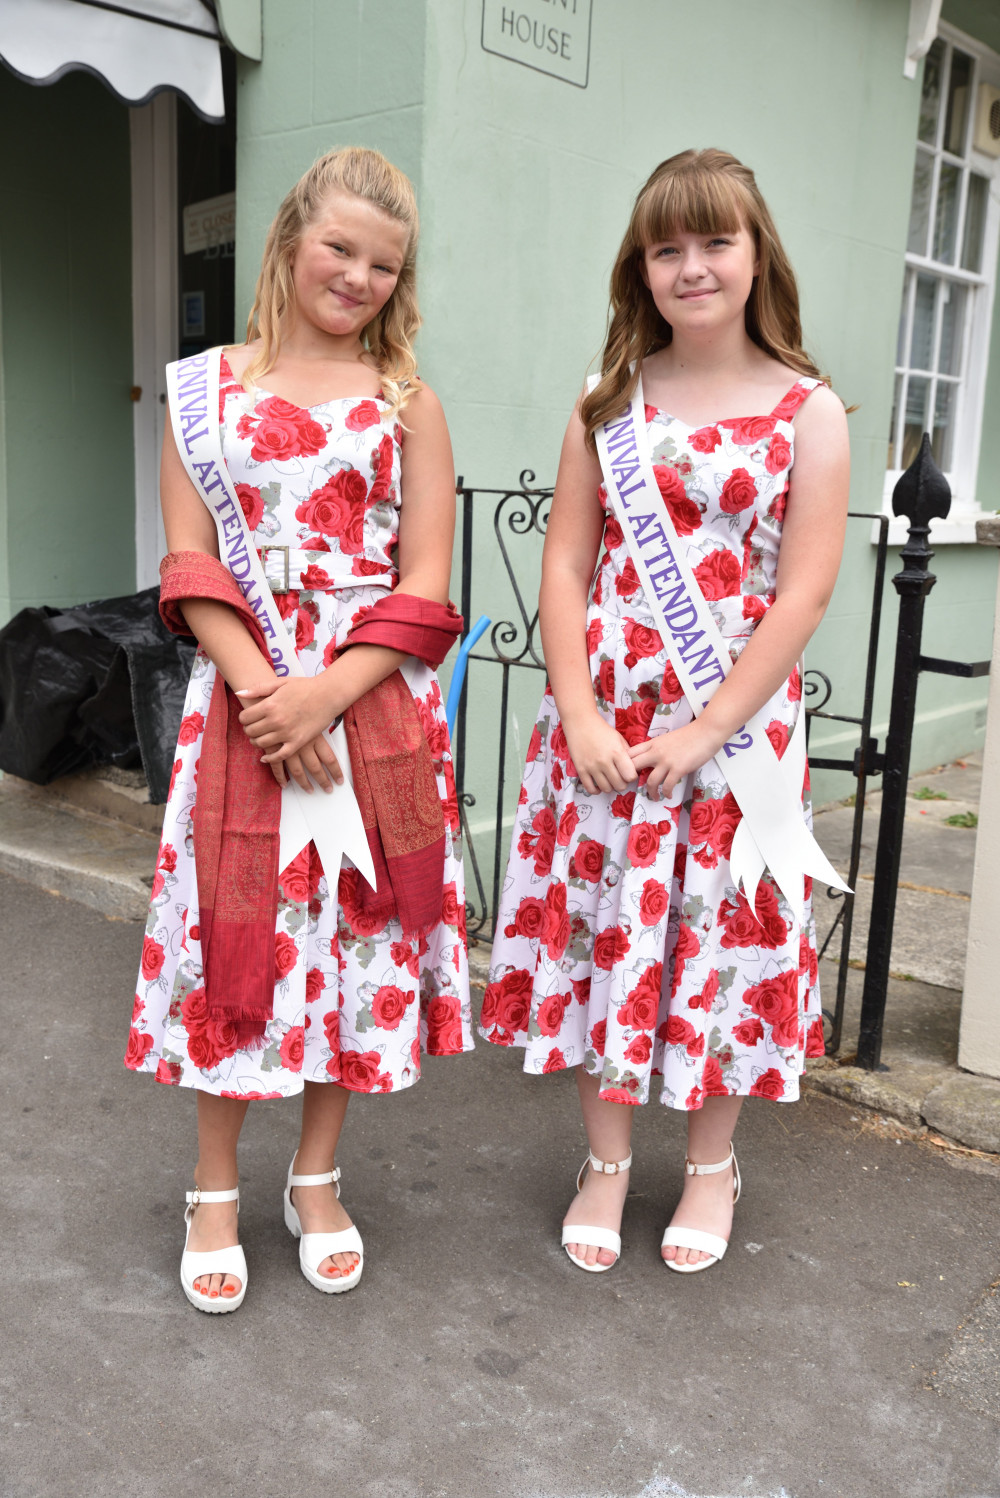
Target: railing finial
column 922, row 493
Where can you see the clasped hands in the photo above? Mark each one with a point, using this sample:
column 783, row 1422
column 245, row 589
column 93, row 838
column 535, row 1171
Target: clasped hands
column 605, row 761
column 288, row 720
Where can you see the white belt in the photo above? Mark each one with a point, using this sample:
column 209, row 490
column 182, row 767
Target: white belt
column 284, row 565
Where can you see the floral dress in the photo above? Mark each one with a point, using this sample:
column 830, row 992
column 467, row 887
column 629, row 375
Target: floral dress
column 355, row 1000
column 622, row 943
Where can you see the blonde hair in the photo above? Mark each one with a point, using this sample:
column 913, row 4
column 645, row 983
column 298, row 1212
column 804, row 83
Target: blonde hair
column 697, row 192
column 389, row 336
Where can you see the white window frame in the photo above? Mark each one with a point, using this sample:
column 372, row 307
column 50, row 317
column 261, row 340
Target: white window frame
column 960, row 525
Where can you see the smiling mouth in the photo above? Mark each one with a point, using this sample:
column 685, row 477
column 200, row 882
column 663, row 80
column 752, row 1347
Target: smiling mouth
column 351, row 301
column 697, row 296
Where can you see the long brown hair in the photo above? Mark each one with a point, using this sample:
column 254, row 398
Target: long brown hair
column 697, row 192
column 389, row 336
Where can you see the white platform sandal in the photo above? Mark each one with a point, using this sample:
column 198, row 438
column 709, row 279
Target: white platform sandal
column 315, row 1247
column 592, row 1237
column 219, row 1261
column 706, row 1243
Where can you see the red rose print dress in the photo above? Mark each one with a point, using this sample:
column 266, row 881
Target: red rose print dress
column 621, row 942
column 354, row 1000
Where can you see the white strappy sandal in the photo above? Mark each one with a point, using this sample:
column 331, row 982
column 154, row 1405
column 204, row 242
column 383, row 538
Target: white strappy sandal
column 315, row 1247
column 219, row 1261
column 706, row 1243
column 591, row 1237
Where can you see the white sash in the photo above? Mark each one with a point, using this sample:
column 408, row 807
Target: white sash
column 768, row 791
column 331, row 820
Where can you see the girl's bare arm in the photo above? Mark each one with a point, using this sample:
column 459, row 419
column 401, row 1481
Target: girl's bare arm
column 576, row 525
column 189, row 527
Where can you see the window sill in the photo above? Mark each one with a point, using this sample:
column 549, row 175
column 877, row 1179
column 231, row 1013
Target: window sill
column 957, row 530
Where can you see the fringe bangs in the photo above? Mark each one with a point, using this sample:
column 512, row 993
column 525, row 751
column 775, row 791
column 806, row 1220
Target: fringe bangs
column 694, row 200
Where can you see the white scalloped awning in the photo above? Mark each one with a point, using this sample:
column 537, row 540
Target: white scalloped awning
column 137, row 47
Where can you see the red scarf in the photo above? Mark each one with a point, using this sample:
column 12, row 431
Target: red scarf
column 237, row 816
column 391, row 765
column 238, row 809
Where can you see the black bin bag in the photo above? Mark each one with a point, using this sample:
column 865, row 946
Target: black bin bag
column 99, row 684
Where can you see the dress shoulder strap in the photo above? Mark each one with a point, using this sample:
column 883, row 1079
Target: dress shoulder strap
column 792, row 399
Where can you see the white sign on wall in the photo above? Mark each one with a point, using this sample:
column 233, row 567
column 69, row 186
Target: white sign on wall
column 210, row 222
column 552, row 36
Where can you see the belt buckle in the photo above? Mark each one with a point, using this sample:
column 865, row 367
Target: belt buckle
column 284, row 588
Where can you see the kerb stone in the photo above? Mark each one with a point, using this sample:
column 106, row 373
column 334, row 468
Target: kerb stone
column 966, row 1108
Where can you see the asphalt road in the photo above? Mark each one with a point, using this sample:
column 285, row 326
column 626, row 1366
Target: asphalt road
column 846, row 1348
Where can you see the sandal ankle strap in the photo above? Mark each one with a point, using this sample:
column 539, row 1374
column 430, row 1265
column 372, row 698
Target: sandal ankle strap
column 328, row 1178
column 612, row 1168
column 691, row 1169
column 197, row 1195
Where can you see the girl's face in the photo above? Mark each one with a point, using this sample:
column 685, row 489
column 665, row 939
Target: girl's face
column 346, row 264
column 701, row 282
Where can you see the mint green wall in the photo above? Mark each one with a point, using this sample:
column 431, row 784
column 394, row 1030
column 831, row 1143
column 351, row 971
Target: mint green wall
column 525, row 184
column 977, row 18
column 66, row 451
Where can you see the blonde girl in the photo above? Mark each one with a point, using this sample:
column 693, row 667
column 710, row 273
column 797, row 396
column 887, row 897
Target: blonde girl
column 341, row 460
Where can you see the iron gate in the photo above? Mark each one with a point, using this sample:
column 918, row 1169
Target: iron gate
column 512, row 645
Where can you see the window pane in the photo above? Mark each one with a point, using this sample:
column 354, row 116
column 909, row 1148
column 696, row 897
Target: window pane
column 922, row 338
column 942, row 437
column 957, row 114
column 952, row 329
column 896, row 397
column 975, row 222
column 946, row 214
column 920, row 204
column 915, row 421
column 930, row 98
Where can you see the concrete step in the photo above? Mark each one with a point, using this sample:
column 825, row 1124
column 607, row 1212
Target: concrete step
column 105, row 791
column 76, row 853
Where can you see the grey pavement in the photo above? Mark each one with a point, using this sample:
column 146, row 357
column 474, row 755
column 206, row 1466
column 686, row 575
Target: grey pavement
column 919, row 1082
column 932, row 906
column 845, row 1348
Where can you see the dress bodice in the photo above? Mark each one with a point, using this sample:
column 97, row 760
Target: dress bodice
column 725, row 486
column 322, row 478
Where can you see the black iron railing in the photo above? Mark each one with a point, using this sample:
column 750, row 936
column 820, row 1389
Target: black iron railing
column 864, row 763
column 921, row 495
column 512, row 645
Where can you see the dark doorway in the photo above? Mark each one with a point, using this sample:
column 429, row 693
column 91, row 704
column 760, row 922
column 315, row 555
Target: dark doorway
column 206, row 184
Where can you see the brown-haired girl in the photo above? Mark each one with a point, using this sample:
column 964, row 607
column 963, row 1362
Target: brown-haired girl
column 260, row 982
column 639, row 934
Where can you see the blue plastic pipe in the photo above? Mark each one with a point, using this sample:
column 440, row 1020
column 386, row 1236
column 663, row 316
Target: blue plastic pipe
column 458, row 675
